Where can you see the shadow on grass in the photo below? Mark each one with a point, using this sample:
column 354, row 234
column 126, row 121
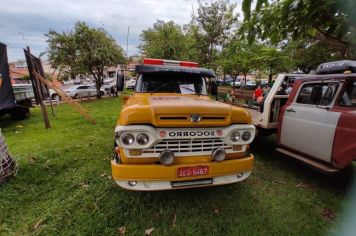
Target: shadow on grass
column 6, row 121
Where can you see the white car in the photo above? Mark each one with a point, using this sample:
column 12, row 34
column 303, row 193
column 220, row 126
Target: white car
column 131, row 83
column 250, row 84
column 237, row 83
column 82, row 91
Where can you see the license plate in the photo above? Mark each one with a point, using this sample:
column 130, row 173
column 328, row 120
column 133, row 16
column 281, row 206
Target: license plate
column 192, row 171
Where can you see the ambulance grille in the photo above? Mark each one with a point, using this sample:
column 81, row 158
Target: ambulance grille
column 188, row 145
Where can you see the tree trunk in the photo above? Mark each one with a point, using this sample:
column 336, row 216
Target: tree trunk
column 244, row 83
column 98, row 85
column 269, row 78
column 210, row 53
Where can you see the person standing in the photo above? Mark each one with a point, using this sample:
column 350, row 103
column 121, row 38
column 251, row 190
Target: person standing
column 257, row 93
column 289, row 88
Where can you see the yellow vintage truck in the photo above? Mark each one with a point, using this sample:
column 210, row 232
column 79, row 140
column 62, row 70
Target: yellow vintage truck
column 171, row 134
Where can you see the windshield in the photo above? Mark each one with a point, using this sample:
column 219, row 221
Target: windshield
column 182, row 83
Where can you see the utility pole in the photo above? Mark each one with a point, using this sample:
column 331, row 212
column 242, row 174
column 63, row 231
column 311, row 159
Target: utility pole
column 127, row 41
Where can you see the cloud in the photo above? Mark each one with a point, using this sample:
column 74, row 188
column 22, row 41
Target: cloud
column 24, row 23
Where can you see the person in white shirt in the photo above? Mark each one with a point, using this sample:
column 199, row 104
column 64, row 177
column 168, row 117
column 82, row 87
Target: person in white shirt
column 289, row 89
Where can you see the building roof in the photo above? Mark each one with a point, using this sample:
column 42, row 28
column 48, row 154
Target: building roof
column 18, row 73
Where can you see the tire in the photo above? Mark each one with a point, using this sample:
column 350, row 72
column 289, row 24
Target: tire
column 76, row 96
column 102, row 93
column 56, row 96
column 20, row 113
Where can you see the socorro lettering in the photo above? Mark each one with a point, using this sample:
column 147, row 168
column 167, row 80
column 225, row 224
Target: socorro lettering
column 191, row 133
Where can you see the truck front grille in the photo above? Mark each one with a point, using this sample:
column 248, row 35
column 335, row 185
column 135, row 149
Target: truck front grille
column 203, row 146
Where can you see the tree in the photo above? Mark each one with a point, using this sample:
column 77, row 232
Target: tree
column 306, row 55
column 272, row 61
column 84, row 50
column 196, row 43
column 239, row 57
column 211, row 27
column 62, row 53
column 165, row 40
column 330, row 22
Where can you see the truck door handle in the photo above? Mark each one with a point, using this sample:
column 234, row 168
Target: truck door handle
column 290, row 110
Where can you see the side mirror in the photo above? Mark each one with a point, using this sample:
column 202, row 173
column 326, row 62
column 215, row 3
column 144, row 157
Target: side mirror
column 120, row 82
column 214, row 88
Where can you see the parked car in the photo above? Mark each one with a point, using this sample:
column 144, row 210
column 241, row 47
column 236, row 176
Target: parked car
column 250, row 84
column 131, row 83
column 315, row 123
column 237, row 83
column 82, row 91
column 53, row 95
column 220, row 82
column 263, row 82
column 106, row 88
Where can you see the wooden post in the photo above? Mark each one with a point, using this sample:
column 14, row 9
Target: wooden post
column 38, row 87
column 67, row 98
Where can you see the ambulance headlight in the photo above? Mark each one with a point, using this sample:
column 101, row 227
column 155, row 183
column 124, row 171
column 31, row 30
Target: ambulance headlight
column 142, row 139
column 235, row 136
column 127, row 139
column 246, row 135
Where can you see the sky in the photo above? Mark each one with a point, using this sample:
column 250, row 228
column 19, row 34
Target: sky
column 24, row 22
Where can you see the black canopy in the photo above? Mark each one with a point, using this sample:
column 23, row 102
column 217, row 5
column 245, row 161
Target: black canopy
column 336, row 67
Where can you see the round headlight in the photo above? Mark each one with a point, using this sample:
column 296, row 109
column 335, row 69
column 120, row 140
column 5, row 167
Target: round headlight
column 127, row 139
column 166, row 157
column 142, row 139
column 246, row 135
column 218, row 154
column 235, row 136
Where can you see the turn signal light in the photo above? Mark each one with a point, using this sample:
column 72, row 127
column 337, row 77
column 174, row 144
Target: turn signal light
column 135, row 152
column 236, row 148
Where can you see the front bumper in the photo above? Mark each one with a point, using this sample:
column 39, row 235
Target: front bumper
column 150, row 177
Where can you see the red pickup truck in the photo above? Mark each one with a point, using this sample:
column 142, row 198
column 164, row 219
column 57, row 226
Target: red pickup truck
column 316, row 122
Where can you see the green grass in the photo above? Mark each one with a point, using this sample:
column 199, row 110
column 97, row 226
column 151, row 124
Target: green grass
column 64, row 183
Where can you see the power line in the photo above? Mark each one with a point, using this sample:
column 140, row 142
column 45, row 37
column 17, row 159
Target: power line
column 14, row 49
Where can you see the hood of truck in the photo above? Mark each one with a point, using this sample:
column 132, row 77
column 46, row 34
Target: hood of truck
column 176, row 110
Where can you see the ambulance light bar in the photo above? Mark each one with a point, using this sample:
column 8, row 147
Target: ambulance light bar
column 152, row 61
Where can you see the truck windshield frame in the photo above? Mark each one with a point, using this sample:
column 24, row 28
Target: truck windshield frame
column 171, row 82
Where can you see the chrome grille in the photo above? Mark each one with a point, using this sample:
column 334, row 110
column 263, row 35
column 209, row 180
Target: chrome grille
column 188, row 145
